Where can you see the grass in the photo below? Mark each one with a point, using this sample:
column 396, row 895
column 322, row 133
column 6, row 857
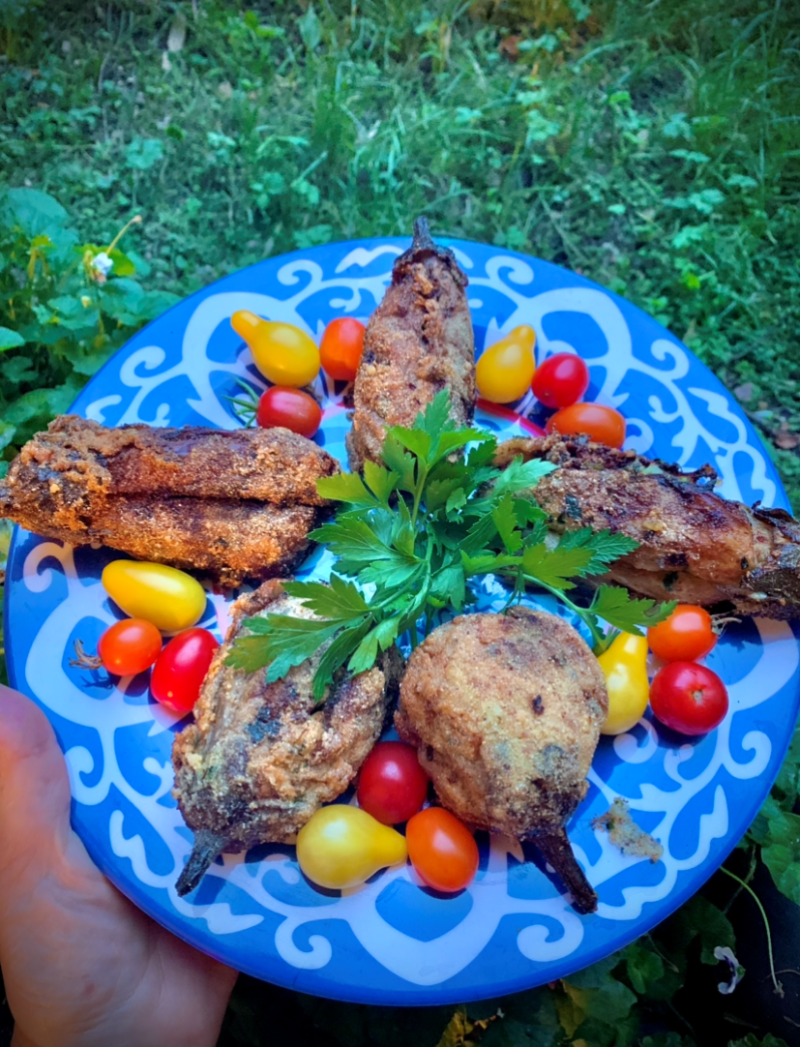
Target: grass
column 653, row 147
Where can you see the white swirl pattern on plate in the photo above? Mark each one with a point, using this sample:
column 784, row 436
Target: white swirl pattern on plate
column 146, row 378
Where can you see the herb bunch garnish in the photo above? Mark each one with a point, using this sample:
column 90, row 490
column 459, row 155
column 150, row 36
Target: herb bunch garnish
column 412, row 532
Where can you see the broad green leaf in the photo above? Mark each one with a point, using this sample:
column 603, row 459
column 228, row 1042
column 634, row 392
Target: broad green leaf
column 604, row 546
column 781, row 850
column 617, row 607
column 35, row 213
column 555, row 567
column 520, row 476
column 310, row 29
column 450, row 442
column 439, row 493
column 345, row 487
column 340, row 649
column 10, row 339
column 123, row 265
column 400, row 462
column 448, row 585
column 352, row 540
column 435, row 419
column 281, row 648
column 479, row 535
column 414, row 440
column 455, row 501
column 643, row 967
column 339, row 600
column 380, row 481
column 505, row 521
column 6, row 435
column 365, row 654
column 143, row 153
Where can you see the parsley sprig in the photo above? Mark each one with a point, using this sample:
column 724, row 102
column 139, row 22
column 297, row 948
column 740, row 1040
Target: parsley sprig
column 410, row 535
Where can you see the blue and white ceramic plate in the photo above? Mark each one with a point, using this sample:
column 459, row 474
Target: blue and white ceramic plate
column 392, row 941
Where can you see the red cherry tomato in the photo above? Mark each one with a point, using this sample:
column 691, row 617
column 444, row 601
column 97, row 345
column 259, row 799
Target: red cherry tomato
column 604, row 425
column 560, row 380
column 181, row 668
column 392, row 786
column 341, row 348
column 686, row 635
column 129, row 647
column 688, row 697
column 442, row 849
column 291, row 408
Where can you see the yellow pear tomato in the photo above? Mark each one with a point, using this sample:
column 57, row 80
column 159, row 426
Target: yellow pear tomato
column 624, row 666
column 342, row 846
column 168, row 598
column 505, row 370
column 282, row 352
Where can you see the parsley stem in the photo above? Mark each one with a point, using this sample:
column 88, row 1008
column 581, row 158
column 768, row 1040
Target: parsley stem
column 586, row 616
column 422, row 479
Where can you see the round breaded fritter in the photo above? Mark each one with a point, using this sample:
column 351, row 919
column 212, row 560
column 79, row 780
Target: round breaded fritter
column 505, row 713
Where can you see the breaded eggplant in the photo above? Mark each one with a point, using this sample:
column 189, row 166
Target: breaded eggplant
column 695, row 546
column 505, row 713
column 234, row 504
column 261, row 758
column 419, row 341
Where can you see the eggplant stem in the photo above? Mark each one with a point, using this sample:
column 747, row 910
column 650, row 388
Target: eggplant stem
column 207, row 845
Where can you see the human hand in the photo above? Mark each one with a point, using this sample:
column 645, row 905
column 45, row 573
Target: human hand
column 82, row 965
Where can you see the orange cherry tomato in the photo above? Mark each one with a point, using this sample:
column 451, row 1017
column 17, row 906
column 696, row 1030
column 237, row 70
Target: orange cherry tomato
column 602, row 424
column 688, row 634
column 341, row 348
column 442, row 849
column 129, row 647
column 291, row 408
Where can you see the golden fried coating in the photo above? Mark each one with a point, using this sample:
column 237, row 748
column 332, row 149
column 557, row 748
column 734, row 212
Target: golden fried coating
column 505, row 713
column 261, row 758
column 419, row 341
column 695, row 546
column 234, row 504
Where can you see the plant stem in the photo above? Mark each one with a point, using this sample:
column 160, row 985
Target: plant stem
column 134, row 221
column 587, row 617
column 757, row 900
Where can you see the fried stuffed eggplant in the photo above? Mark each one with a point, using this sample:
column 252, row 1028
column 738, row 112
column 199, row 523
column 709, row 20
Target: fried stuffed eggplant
column 261, row 757
column 505, row 713
column 418, row 342
column 234, row 505
column 694, row 546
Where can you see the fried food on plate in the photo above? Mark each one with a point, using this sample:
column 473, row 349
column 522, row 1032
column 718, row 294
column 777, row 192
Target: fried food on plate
column 695, row 546
column 418, row 342
column 505, row 713
column 261, row 758
column 234, row 504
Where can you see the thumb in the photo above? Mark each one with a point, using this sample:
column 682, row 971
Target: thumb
column 34, row 787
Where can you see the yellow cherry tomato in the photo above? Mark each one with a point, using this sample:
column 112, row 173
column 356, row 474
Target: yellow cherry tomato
column 341, row 846
column 172, row 600
column 505, row 370
column 282, row 352
column 624, row 666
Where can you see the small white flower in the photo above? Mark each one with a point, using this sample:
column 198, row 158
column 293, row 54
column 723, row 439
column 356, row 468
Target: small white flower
column 737, row 971
column 101, row 266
